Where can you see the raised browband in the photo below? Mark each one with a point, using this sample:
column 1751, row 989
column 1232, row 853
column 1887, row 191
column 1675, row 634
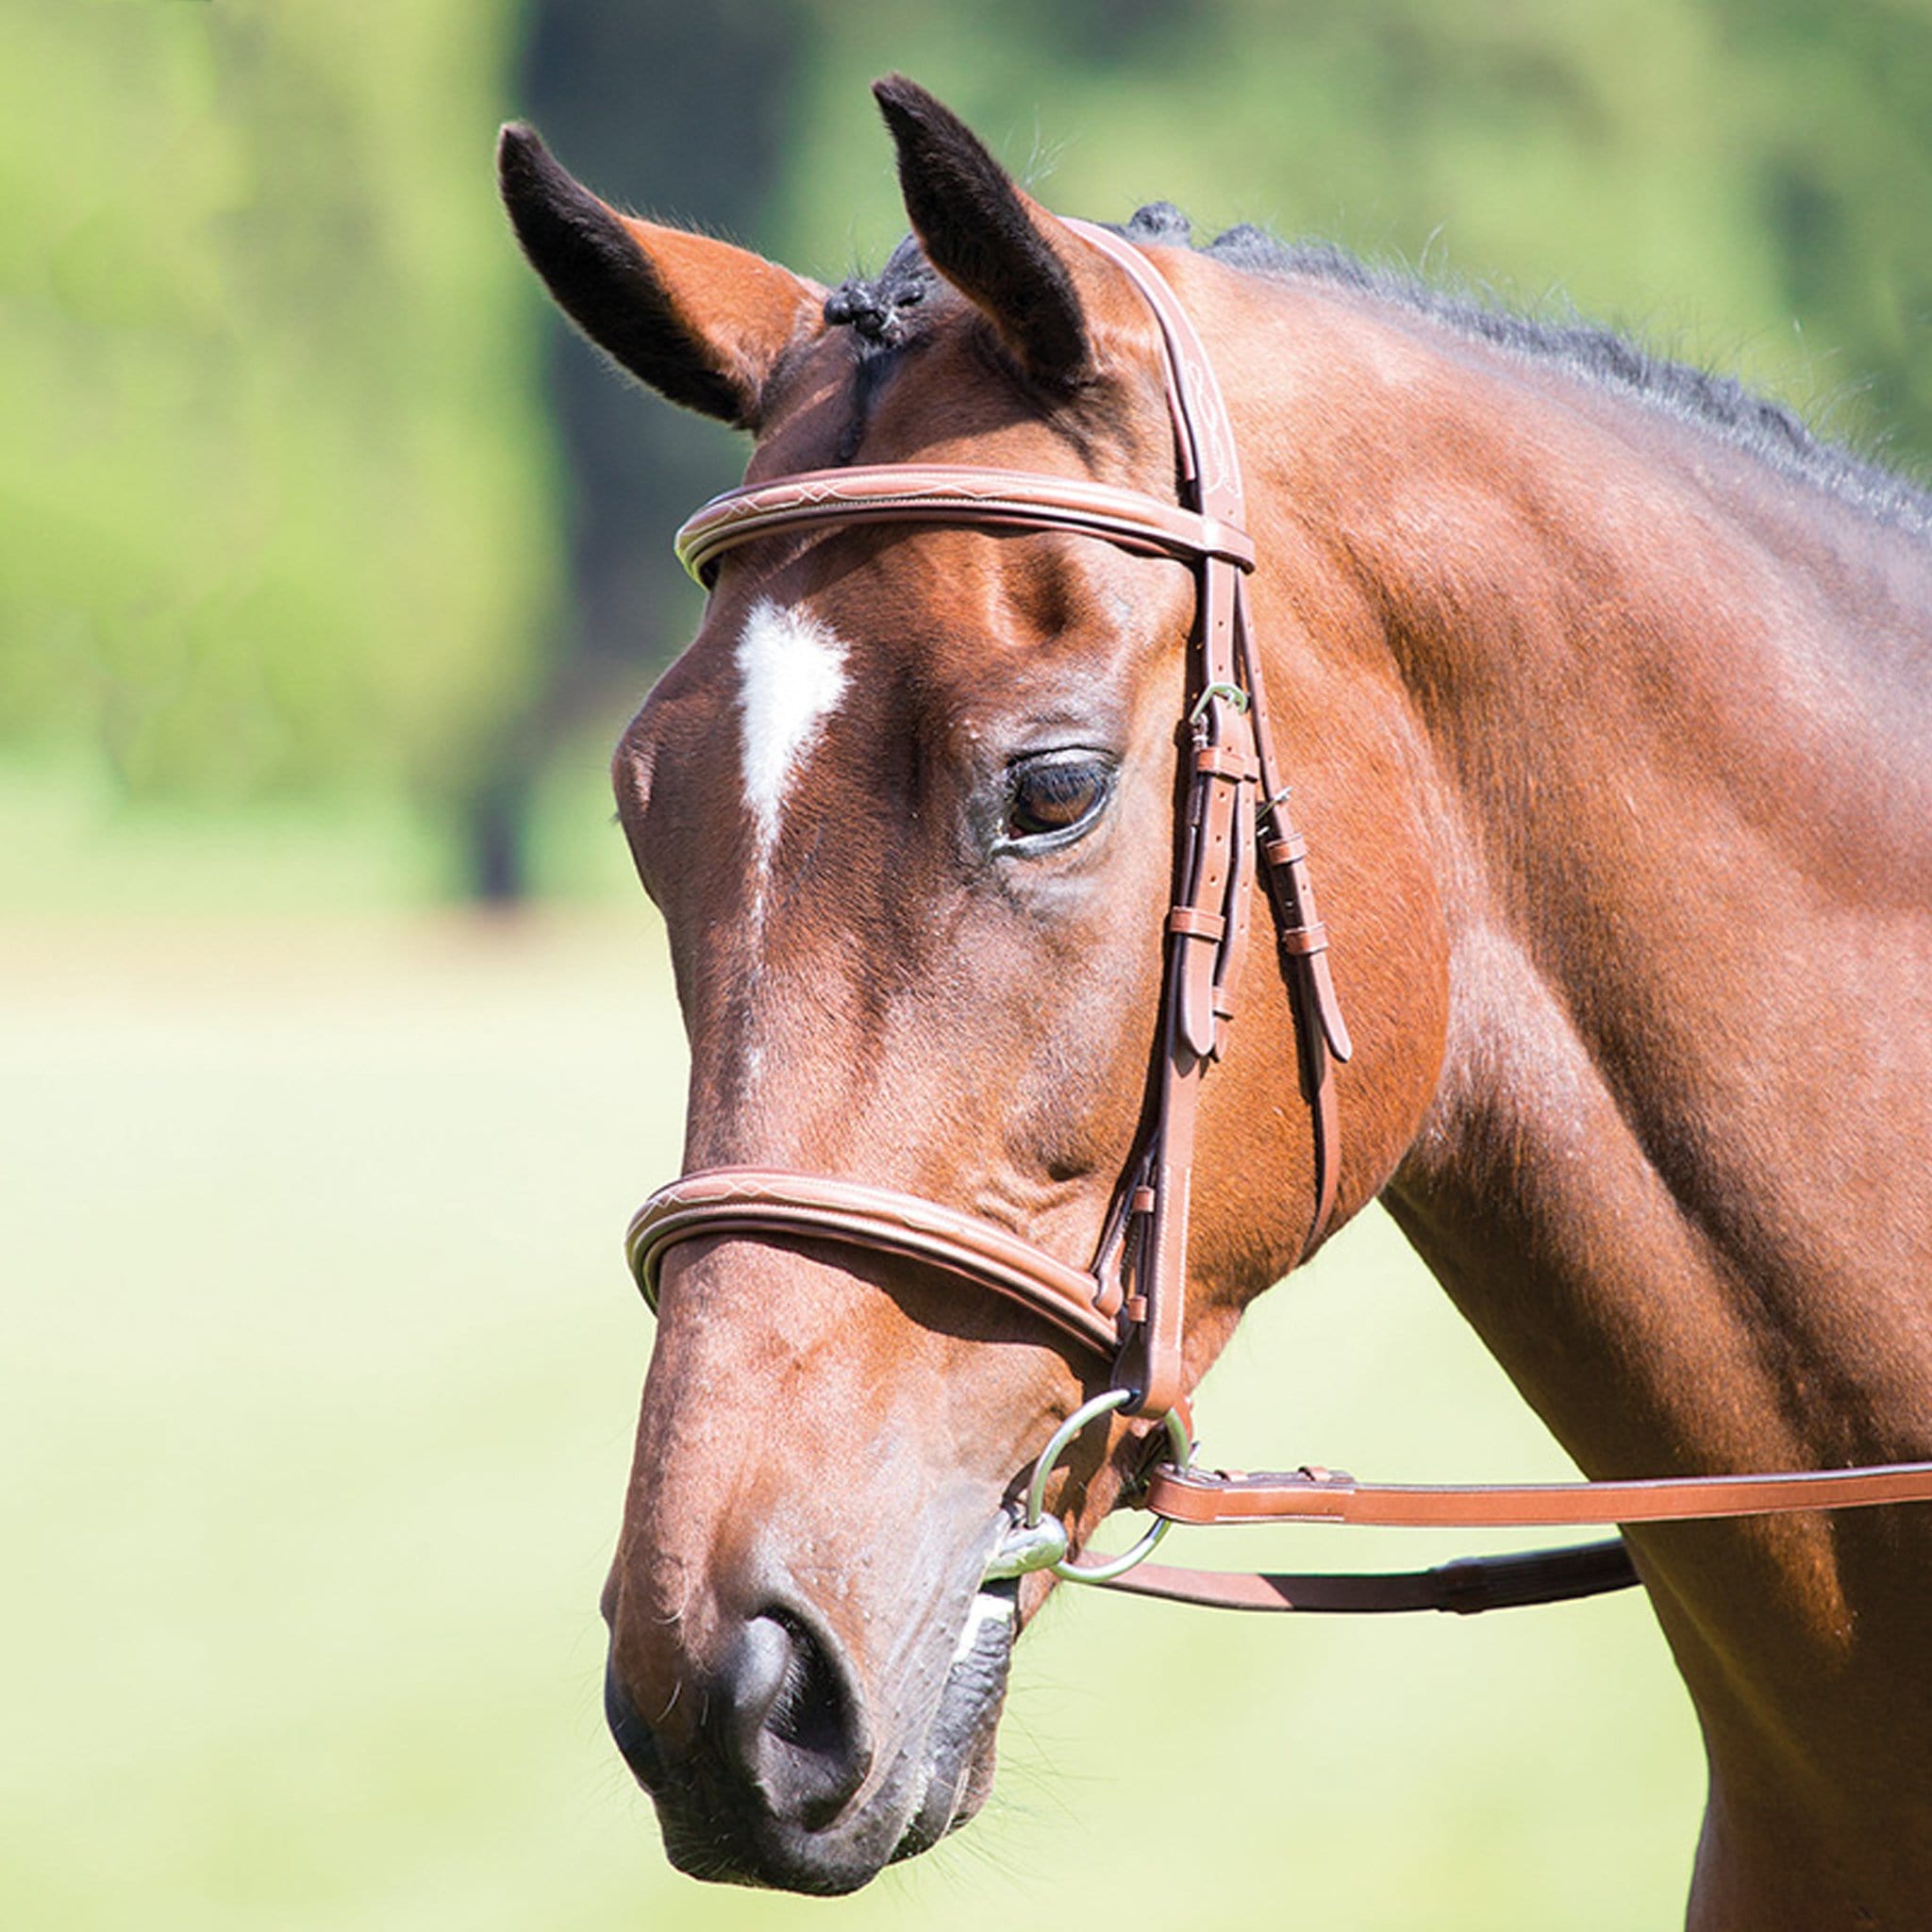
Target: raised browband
column 954, row 493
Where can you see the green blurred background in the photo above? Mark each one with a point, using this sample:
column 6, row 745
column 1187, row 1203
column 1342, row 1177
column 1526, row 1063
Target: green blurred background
column 336, row 1043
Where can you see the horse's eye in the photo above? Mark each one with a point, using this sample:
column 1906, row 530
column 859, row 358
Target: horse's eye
column 1055, row 798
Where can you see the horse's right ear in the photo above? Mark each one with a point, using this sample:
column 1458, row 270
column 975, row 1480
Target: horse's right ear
column 700, row 322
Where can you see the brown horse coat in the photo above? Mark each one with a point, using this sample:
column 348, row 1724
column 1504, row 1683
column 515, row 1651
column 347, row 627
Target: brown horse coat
column 1607, row 714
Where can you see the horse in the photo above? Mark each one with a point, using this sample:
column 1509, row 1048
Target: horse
column 1601, row 686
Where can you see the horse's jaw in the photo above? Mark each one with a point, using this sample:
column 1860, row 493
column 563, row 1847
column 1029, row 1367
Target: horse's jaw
column 930, row 1780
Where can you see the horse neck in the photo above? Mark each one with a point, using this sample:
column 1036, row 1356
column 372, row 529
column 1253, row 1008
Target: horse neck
column 1648, row 693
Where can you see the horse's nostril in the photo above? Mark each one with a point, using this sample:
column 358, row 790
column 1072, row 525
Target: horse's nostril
column 811, row 1712
column 797, row 1729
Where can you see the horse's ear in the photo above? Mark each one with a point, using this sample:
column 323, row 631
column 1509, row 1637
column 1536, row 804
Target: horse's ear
column 700, row 322
column 1017, row 263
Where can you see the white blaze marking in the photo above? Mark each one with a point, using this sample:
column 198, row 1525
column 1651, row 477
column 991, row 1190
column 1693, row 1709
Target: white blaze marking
column 792, row 672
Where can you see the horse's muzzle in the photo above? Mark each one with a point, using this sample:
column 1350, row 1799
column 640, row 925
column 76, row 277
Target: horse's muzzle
column 775, row 1785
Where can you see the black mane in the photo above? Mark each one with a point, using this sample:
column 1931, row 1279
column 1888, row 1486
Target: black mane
column 884, row 313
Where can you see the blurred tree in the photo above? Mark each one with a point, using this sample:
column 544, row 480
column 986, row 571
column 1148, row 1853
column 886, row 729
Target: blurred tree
column 273, row 465
column 1840, row 104
column 1746, row 182
column 278, row 503
column 682, row 113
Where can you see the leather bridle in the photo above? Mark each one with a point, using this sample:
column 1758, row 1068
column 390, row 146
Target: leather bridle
column 1128, row 1307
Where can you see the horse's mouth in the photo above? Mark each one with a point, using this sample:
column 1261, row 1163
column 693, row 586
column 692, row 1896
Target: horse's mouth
column 935, row 1783
column 960, row 1748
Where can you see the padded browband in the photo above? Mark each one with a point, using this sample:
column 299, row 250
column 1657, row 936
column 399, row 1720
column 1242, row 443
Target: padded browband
column 954, row 493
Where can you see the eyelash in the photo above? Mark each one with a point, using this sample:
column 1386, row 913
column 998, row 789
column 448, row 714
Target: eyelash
column 1060, row 781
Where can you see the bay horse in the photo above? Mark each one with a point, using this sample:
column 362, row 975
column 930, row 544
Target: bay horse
column 1604, row 691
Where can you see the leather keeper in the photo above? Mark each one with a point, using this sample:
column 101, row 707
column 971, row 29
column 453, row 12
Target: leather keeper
column 1226, row 762
column 1288, row 851
column 1195, row 923
column 1302, row 941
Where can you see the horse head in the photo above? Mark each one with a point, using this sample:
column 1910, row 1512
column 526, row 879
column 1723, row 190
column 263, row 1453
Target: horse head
column 908, row 806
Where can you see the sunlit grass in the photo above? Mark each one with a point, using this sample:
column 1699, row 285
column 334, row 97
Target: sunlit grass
column 317, row 1396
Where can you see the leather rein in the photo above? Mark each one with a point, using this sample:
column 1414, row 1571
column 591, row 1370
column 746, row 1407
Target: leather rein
column 1127, row 1306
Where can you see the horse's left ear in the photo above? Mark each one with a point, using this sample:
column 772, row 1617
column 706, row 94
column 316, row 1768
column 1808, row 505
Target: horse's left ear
column 1031, row 277
column 700, row 321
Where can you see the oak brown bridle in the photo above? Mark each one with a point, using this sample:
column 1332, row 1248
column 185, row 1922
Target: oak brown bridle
column 1128, row 1308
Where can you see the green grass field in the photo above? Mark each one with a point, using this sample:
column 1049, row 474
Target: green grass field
column 317, row 1393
